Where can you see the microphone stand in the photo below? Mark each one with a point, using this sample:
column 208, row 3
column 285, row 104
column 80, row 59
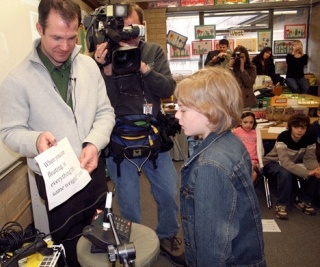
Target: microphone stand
column 125, row 252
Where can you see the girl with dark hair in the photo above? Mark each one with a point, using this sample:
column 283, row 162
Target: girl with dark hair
column 265, row 65
column 245, row 73
column 246, row 132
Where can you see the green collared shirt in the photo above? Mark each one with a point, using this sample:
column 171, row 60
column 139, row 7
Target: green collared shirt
column 60, row 76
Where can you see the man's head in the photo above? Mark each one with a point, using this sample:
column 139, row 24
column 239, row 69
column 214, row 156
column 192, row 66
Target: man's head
column 223, row 45
column 135, row 16
column 58, row 25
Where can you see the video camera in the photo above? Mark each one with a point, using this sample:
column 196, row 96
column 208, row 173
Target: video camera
column 237, row 58
column 106, row 24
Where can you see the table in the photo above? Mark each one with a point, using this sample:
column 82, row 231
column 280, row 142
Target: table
column 265, row 135
column 146, row 243
column 304, row 100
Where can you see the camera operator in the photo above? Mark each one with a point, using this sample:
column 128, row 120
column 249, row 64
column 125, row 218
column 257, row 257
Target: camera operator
column 245, row 73
column 124, row 91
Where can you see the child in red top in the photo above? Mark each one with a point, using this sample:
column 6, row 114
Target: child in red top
column 246, row 131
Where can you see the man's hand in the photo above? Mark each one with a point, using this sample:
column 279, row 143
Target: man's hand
column 45, row 140
column 315, row 172
column 89, row 157
column 100, row 56
column 222, row 54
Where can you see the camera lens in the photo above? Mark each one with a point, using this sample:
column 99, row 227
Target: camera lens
column 126, row 60
column 123, row 59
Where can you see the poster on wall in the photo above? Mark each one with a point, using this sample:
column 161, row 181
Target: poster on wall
column 223, row 2
column 180, row 53
column 201, row 47
column 205, row 32
column 193, row 2
column 216, row 44
column 282, row 46
column 264, row 39
column 175, row 39
column 249, row 43
column 295, row 31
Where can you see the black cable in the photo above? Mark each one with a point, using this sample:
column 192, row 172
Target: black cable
column 63, row 225
column 10, row 237
column 11, row 240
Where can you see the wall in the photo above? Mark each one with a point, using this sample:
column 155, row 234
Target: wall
column 17, row 31
column 15, row 203
column 314, row 41
column 156, row 26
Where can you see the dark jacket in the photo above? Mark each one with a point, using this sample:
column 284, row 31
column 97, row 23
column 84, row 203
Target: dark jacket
column 267, row 69
column 129, row 93
column 246, row 80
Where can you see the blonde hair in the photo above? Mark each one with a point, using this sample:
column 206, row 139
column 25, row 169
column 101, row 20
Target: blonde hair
column 215, row 93
column 299, row 47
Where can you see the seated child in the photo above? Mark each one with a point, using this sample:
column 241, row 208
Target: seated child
column 246, row 131
column 294, row 155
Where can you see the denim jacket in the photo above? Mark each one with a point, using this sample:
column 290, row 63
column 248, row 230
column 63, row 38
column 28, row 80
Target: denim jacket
column 220, row 212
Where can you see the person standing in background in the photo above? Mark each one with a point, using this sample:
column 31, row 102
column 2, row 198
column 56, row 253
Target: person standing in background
column 128, row 95
column 220, row 212
column 54, row 93
column 296, row 61
column 245, row 73
column 219, row 57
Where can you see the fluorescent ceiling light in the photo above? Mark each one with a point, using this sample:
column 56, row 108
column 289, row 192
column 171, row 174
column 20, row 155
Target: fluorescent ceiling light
column 289, row 12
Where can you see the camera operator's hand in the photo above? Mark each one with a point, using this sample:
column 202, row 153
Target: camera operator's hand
column 242, row 60
column 231, row 62
column 144, row 68
column 100, row 56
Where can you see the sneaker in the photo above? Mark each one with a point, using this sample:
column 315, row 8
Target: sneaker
column 172, row 249
column 305, row 207
column 281, row 212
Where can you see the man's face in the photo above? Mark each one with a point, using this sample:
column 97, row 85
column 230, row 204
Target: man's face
column 132, row 19
column 223, row 48
column 58, row 39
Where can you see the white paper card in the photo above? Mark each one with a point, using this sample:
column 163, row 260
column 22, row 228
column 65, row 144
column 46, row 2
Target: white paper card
column 62, row 173
column 270, row 225
column 276, row 129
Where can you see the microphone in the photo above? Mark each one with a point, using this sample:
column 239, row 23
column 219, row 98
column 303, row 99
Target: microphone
column 107, row 212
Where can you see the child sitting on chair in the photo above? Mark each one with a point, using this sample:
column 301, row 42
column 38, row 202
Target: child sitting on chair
column 294, row 155
column 246, row 131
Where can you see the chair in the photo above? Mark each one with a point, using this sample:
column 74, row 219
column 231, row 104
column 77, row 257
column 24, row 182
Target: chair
column 260, row 152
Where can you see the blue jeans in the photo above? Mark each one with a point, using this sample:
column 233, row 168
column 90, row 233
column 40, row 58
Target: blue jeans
column 286, row 183
column 298, row 86
column 163, row 181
